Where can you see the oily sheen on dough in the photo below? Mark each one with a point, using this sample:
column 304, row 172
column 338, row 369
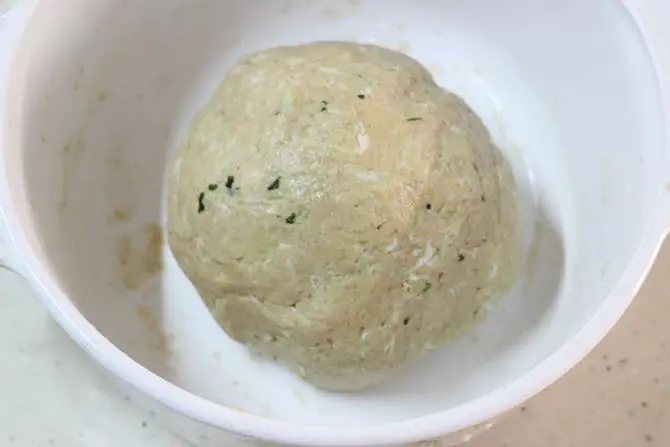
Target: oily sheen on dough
column 339, row 212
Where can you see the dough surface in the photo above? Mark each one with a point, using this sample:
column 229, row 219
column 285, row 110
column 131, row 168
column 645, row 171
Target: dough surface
column 339, row 212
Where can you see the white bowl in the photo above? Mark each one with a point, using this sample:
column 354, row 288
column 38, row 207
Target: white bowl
column 97, row 94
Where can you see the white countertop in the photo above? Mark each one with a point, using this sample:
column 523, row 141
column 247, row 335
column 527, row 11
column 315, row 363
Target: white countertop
column 51, row 393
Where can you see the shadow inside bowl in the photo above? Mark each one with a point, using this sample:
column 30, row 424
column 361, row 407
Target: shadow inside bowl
column 486, row 353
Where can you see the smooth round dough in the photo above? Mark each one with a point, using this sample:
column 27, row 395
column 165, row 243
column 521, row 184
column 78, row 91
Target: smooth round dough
column 341, row 213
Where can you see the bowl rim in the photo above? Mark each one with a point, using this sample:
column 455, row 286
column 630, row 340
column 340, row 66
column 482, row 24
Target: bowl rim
column 26, row 262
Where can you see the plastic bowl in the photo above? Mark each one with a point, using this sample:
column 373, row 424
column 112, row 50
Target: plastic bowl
column 97, row 94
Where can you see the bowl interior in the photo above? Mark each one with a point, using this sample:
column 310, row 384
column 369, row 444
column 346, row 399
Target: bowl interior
column 102, row 94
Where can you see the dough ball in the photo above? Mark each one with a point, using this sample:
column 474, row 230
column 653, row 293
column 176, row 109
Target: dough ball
column 339, row 212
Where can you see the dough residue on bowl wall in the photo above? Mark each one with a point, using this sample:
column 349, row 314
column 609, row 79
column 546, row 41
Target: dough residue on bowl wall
column 139, row 255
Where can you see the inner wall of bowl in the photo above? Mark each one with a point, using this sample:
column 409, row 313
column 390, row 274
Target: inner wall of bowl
column 106, row 92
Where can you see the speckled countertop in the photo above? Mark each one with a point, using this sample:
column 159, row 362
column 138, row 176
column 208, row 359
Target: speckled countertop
column 52, row 394
column 619, row 396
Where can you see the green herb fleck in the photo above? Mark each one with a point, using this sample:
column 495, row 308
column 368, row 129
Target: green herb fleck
column 230, row 181
column 275, row 184
column 415, row 118
column 361, row 96
column 291, row 219
column 427, row 286
column 213, row 187
column 201, row 202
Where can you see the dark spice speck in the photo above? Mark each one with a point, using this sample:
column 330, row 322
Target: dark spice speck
column 361, row 96
column 201, row 202
column 275, row 184
column 405, row 321
column 461, row 257
column 427, row 286
column 230, row 181
column 413, row 119
column 429, row 206
column 291, row 219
